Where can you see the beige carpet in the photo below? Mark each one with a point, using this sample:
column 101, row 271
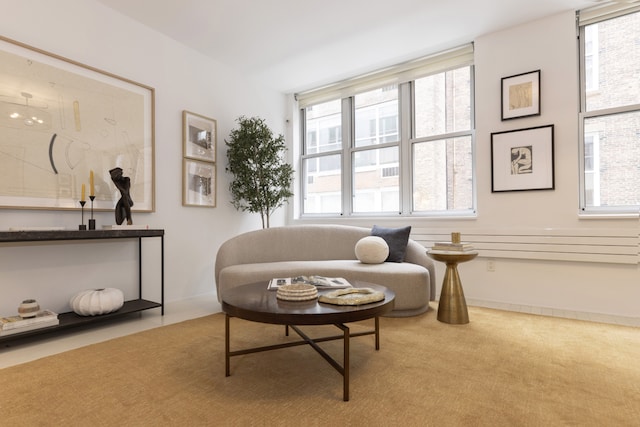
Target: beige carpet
column 502, row 369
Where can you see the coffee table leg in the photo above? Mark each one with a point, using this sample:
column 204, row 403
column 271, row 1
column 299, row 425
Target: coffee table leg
column 226, row 345
column 345, row 362
column 377, row 327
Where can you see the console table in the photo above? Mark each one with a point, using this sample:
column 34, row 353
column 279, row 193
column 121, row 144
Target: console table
column 71, row 319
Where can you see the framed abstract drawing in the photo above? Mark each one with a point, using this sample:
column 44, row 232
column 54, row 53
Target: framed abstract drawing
column 61, row 122
column 522, row 159
column 521, row 95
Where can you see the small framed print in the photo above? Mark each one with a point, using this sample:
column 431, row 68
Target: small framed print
column 522, row 159
column 198, row 183
column 521, row 95
column 199, row 137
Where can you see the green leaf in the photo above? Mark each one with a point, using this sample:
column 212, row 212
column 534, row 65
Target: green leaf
column 261, row 177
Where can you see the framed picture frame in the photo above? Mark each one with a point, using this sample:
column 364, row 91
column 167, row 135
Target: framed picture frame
column 198, row 183
column 61, row 122
column 199, row 137
column 522, row 159
column 521, row 95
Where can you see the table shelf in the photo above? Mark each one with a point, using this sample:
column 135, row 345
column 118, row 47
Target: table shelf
column 71, row 320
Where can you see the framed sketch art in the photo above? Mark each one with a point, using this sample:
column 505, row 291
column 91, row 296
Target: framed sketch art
column 199, row 160
column 61, row 122
column 199, row 137
column 198, row 183
column 521, row 95
column 522, row 159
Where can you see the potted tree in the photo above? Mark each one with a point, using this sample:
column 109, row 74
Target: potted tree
column 261, row 177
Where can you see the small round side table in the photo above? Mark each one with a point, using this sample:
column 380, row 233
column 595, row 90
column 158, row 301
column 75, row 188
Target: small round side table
column 452, row 307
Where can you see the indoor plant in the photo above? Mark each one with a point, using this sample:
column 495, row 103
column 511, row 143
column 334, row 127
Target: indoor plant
column 261, row 176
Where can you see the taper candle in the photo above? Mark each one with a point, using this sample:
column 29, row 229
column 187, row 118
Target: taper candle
column 82, row 199
column 92, row 188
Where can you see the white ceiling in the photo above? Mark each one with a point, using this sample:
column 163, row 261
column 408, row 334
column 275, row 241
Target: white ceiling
column 294, row 45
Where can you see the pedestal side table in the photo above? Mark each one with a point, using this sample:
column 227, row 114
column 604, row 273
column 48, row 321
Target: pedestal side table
column 452, row 307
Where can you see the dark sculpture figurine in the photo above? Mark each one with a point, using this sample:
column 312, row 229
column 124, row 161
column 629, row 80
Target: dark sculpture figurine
column 123, row 207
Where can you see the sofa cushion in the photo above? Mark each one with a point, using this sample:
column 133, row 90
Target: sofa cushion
column 372, row 250
column 396, row 238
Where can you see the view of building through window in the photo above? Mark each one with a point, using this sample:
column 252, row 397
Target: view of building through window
column 443, row 143
column 367, row 155
column 376, row 170
column 323, row 172
column 611, row 112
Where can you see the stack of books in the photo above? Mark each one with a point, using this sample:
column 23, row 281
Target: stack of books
column 452, row 246
column 16, row 324
column 319, row 282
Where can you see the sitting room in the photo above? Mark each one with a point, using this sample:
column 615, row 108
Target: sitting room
column 469, row 169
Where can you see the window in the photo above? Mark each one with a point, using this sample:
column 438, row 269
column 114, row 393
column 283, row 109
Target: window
column 401, row 147
column 610, row 112
column 443, row 147
column 376, row 123
column 322, row 163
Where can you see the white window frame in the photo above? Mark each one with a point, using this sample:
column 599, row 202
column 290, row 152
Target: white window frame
column 402, row 76
column 584, row 18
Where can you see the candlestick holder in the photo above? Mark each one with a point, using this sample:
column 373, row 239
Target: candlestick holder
column 92, row 222
column 82, row 225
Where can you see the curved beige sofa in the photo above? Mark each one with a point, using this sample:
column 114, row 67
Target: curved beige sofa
column 324, row 250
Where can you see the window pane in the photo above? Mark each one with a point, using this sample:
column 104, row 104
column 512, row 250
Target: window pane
column 323, row 184
column 612, row 56
column 376, row 180
column 443, row 103
column 612, row 153
column 376, row 117
column 443, row 175
column 324, row 127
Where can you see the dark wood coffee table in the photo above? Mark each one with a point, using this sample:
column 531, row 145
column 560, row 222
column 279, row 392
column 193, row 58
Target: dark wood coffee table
column 255, row 303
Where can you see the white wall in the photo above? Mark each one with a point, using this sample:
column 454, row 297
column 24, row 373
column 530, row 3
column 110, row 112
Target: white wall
column 551, row 46
column 88, row 32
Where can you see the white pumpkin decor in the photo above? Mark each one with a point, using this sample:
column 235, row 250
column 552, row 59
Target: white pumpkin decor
column 93, row 302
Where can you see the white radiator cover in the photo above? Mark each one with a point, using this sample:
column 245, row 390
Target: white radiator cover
column 616, row 246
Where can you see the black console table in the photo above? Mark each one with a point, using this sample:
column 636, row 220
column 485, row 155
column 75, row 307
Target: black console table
column 71, row 319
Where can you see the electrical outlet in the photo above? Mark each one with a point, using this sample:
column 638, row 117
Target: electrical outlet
column 491, row 265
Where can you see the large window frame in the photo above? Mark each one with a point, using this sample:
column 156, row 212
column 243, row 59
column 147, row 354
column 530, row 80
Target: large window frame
column 593, row 200
column 401, row 78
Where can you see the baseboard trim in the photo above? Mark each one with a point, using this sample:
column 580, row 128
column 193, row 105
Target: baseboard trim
column 555, row 312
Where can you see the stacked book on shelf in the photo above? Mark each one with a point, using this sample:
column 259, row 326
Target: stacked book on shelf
column 453, row 246
column 16, row 324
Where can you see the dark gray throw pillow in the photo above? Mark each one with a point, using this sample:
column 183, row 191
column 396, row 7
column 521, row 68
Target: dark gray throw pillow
column 396, row 238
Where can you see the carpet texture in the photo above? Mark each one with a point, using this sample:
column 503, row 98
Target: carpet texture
column 502, row 369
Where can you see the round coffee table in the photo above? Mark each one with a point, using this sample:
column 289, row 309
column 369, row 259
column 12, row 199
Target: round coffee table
column 255, row 303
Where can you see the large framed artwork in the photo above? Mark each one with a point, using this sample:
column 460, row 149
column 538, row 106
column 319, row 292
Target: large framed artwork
column 521, row 95
column 62, row 124
column 522, row 159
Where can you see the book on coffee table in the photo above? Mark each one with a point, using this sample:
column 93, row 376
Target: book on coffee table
column 320, row 282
